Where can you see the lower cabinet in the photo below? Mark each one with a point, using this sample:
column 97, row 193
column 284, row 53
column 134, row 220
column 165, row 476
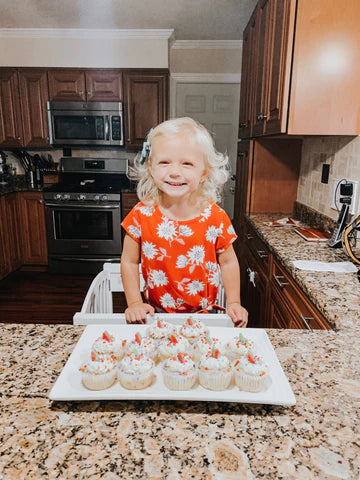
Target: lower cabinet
column 11, row 254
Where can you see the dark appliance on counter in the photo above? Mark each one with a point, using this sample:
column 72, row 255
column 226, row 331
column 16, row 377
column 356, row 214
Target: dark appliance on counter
column 83, row 214
column 86, row 123
column 5, row 169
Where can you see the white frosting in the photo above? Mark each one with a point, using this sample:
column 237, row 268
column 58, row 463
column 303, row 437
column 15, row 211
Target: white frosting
column 239, row 345
column 147, row 346
column 173, row 364
column 211, row 363
column 139, row 364
column 103, row 347
column 194, row 330
column 160, row 329
column 168, row 348
column 254, row 369
column 106, row 365
column 203, row 347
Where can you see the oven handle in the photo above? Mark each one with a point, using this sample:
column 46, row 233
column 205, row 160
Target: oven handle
column 107, row 127
column 76, row 205
column 81, row 259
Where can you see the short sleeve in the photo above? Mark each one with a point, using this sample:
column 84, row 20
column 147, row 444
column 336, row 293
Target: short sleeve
column 132, row 224
column 226, row 233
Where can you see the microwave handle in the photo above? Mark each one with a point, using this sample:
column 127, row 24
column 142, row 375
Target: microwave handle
column 107, row 127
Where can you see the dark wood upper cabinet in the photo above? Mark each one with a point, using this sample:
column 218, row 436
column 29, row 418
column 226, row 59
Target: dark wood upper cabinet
column 34, row 94
column 146, row 104
column 103, row 85
column 67, row 84
column 10, row 113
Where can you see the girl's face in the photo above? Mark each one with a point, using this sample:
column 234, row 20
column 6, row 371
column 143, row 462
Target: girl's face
column 177, row 165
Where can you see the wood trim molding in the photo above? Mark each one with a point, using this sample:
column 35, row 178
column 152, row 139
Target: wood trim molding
column 87, row 33
column 206, row 44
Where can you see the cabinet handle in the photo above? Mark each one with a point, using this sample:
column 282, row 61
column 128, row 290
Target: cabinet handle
column 261, row 116
column 242, row 125
column 249, row 236
column 279, row 282
column 18, row 138
column 41, row 201
column 81, row 93
column 251, row 275
column 306, row 321
column 262, row 253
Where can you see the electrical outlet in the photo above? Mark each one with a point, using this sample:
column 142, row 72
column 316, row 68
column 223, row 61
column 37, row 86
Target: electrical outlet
column 336, row 187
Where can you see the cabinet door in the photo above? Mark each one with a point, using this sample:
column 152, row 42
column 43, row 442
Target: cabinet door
column 67, row 84
column 34, row 94
column 279, row 317
column 103, row 85
column 10, row 112
column 4, row 255
column 145, row 104
column 33, row 232
column 12, row 226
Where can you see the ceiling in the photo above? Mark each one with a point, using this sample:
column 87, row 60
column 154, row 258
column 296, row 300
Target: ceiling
column 190, row 19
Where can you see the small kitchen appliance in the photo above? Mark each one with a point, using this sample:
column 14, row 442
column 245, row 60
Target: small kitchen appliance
column 83, row 214
column 5, row 169
column 346, row 191
column 86, row 123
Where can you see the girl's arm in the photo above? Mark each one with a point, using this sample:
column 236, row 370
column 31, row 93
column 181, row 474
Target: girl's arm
column 130, row 259
column 230, row 273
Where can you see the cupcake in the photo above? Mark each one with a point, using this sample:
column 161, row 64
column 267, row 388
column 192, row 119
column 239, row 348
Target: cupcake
column 238, row 347
column 172, row 345
column 193, row 329
column 119, row 349
column 215, row 371
column 99, row 373
column 104, row 345
column 179, row 372
column 136, row 372
column 204, row 345
column 251, row 373
column 159, row 329
column 144, row 345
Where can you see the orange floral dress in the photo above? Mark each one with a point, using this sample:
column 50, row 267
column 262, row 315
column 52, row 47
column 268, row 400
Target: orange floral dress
column 179, row 258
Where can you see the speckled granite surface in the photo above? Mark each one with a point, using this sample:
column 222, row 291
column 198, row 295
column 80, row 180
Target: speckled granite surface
column 318, row 438
column 337, row 295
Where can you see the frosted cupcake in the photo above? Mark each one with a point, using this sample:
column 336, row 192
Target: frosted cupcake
column 159, row 329
column 99, row 374
column 136, row 372
column 193, row 329
column 172, row 345
column 215, row 371
column 251, row 373
column 142, row 345
column 119, row 349
column 104, row 345
column 179, row 372
column 238, row 347
column 204, row 345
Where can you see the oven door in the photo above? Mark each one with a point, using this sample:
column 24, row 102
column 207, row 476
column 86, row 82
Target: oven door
column 83, row 230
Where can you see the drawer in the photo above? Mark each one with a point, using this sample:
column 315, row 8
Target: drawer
column 258, row 249
column 303, row 312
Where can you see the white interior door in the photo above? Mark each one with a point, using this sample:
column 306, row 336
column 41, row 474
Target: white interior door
column 215, row 105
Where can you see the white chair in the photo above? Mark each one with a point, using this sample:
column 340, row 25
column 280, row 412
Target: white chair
column 98, row 303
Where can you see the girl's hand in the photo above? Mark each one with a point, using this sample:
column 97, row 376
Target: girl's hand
column 137, row 312
column 238, row 314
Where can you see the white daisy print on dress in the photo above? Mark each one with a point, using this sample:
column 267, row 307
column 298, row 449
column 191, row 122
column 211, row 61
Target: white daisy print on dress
column 181, row 261
column 204, row 303
column 196, row 254
column 149, row 250
column 180, row 284
column 185, row 231
column 214, row 278
column 158, row 278
column 167, row 301
column 166, row 229
column 134, row 231
column 163, row 254
column 211, row 266
column 212, row 233
column 194, row 287
column 146, row 210
column 205, row 214
column 231, row 230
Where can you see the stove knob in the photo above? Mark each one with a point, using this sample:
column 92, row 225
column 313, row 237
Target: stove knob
column 82, row 196
column 58, row 196
column 66, row 196
column 104, row 198
column 97, row 198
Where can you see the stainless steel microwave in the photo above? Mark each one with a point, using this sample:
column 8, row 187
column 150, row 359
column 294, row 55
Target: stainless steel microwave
column 86, row 123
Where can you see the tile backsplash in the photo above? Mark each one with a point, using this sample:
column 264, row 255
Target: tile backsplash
column 343, row 156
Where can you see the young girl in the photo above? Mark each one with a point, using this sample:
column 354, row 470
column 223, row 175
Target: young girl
column 177, row 231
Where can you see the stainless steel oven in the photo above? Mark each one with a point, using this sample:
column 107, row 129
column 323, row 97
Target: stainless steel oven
column 83, row 215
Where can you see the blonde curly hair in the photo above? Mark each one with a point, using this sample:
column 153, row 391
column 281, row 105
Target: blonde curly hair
column 216, row 162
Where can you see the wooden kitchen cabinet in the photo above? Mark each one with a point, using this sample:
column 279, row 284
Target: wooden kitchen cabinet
column 146, row 103
column 128, row 201
column 10, row 246
column 306, row 69
column 98, row 85
column 11, row 132
column 33, row 229
column 34, row 94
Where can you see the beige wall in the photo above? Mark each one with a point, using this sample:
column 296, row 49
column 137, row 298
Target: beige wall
column 343, row 155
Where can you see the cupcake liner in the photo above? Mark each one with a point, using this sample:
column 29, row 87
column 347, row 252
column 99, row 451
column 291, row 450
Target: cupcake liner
column 215, row 380
column 136, row 381
column 249, row 383
column 98, row 382
column 178, row 381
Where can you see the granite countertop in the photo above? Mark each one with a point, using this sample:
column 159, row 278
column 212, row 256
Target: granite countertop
column 17, row 184
column 337, row 295
column 316, row 438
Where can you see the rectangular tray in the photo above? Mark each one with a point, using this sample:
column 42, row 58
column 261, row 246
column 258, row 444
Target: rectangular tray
column 68, row 386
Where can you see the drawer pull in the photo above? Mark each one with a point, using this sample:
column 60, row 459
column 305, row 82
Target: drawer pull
column 279, row 282
column 249, row 236
column 251, row 275
column 306, row 321
column 262, row 253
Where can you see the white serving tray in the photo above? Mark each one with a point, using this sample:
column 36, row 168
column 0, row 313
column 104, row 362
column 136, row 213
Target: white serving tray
column 68, row 386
